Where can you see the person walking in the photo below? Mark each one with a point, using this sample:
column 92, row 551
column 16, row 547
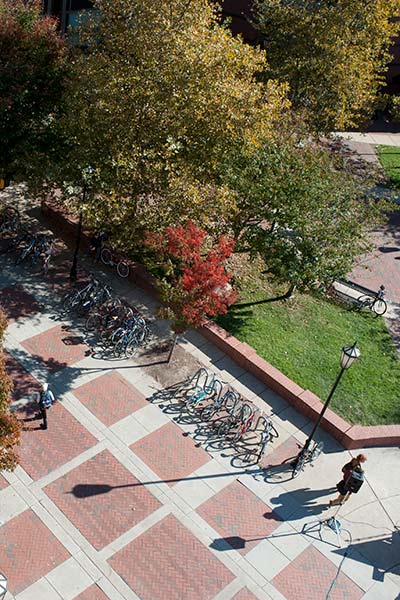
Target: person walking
column 46, row 400
column 353, row 478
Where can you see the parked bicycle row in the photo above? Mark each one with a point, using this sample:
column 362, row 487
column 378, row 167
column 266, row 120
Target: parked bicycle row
column 119, row 329
column 226, row 419
column 32, row 248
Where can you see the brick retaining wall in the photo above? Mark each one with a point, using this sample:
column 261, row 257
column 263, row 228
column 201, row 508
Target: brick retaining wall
column 350, row 436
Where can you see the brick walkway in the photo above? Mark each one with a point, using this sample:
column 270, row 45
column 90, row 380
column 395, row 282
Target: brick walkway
column 117, row 501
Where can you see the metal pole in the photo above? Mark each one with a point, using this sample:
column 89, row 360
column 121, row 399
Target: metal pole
column 323, row 411
column 73, row 274
column 327, row 401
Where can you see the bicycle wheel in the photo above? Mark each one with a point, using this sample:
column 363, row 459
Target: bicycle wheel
column 298, row 465
column 364, row 301
column 131, row 348
column 225, row 428
column 123, row 269
column 70, row 300
column 379, row 307
column 207, row 413
column 248, row 458
column 119, row 348
column 106, row 256
column 316, row 451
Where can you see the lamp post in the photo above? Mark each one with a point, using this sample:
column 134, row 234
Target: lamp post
column 73, row 274
column 349, row 355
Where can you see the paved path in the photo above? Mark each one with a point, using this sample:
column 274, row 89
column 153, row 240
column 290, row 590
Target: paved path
column 117, row 500
column 382, row 264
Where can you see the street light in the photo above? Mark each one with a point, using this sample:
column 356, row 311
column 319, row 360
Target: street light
column 349, row 355
column 73, row 274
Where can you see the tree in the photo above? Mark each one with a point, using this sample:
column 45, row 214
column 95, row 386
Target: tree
column 333, row 53
column 160, row 91
column 32, row 74
column 194, row 281
column 305, row 212
column 10, row 428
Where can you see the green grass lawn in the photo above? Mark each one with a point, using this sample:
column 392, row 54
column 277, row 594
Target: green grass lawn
column 390, row 160
column 303, row 338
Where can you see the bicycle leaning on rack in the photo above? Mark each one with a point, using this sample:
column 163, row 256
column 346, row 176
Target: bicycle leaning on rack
column 375, row 302
column 307, row 455
column 254, row 453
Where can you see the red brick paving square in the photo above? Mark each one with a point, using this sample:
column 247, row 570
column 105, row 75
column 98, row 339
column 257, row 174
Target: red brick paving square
column 168, row 561
column 28, row 551
column 309, row 577
column 23, row 382
column 110, row 397
column 3, row 483
column 92, row 593
column 239, row 516
column 244, row 594
column 57, row 347
column 17, row 303
column 102, row 499
column 169, row 454
column 283, row 453
column 41, row 451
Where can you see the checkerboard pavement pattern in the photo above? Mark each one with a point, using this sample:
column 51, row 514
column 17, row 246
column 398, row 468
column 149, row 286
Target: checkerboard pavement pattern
column 102, row 499
column 84, row 518
column 169, row 454
column 239, row 517
column 309, row 577
column 28, row 550
column 169, row 562
column 57, row 348
column 110, row 397
column 42, row 451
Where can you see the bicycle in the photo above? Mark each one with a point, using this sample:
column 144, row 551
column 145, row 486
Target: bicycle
column 112, row 260
column 252, row 456
column 376, row 303
column 307, row 455
column 211, row 388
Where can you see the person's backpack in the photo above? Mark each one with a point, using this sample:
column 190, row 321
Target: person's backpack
column 46, row 399
column 355, row 481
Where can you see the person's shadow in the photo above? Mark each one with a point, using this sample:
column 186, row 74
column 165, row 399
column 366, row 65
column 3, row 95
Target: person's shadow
column 300, row 503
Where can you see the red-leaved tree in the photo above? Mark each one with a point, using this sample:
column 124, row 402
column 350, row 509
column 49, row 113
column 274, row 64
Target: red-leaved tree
column 195, row 283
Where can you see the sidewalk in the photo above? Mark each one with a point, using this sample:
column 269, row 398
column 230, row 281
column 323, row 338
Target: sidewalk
column 117, row 500
column 382, row 264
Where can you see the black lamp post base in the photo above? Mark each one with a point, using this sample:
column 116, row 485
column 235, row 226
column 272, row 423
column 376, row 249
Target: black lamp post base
column 73, row 274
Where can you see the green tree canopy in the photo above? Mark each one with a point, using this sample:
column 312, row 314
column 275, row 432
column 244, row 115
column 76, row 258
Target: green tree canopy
column 32, row 72
column 159, row 92
column 333, row 54
column 302, row 210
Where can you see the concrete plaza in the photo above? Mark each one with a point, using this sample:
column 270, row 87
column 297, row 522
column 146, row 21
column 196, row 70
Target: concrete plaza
column 119, row 499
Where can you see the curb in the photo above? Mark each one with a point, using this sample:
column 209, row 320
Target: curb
column 350, row 436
